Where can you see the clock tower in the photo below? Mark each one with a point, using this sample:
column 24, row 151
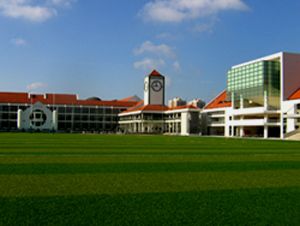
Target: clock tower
column 154, row 89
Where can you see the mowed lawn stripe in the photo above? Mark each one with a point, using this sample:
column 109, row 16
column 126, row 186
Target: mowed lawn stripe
column 135, row 183
column 71, row 168
column 115, row 158
column 75, row 179
column 157, row 152
column 97, row 143
column 147, row 148
column 225, row 207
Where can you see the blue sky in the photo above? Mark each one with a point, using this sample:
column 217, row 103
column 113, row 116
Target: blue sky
column 105, row 48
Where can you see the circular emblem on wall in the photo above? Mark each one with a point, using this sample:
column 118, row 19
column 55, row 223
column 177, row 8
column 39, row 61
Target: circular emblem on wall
column 38, row 118
column 156, row 86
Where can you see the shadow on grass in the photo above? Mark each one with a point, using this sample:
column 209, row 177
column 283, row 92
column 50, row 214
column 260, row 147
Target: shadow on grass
column 228, row 207
column 60, row 168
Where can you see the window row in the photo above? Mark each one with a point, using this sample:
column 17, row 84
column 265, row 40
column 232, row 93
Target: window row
column 86, row 118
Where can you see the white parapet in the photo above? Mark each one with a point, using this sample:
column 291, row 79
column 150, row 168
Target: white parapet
column 249, row 122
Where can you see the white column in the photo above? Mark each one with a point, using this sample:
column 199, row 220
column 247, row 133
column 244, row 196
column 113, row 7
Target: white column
column 266, row 127
column 142, row 127
column 265, row 132
column 227, row 124
column 226, row 134
column 281, row 126
column 242, row 128
column 266, row 102
column 135, row 127
column 232, row 127
column 242, row 131
column 241, row 102
column 20, row 113
column 55, row 120
column 185, row 123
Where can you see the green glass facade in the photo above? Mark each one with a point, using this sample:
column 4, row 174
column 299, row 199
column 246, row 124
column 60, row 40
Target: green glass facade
column 253, row 81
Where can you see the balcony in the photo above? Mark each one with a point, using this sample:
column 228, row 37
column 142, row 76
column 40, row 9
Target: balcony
column 248, row 122
column 253, row 111
column 256, row 122
column 216, row 123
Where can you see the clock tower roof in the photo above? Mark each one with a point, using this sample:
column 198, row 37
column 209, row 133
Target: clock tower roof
column 155, row 73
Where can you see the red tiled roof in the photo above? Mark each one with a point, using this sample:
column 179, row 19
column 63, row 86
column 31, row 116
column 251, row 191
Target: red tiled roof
column 219, row 102
column 131, row 99
column 141, row 107
column 155, row 73
column 60, row 99
column 154, row 108
column 184, row 107
column 13, row 97
column 135, row 107
column 295, row 95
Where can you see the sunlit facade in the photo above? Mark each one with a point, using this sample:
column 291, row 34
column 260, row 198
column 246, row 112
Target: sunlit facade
column 152, row 116
column 260, row 99
column 68, row 113
column 252, row 82
column 59, row 112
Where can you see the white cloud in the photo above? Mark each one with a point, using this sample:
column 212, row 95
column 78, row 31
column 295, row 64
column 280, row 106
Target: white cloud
column 167, row 36
column 149, row 64
column 31, row 10
column 176, row 66
column 36, row 85
column 179, row 10
column 203, row 28
column 64, row 3
column 19, row 42
column 162, row 50
column 164, row 35
column 168, row 81
column 156, row 57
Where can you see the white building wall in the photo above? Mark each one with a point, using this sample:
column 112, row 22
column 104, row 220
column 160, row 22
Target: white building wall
column 24, row 121
column 19, row 122
column 289, row 110
column 227, row 121
column 146, row 91
column 291, row 74
column 185, row 123
column 55, row 120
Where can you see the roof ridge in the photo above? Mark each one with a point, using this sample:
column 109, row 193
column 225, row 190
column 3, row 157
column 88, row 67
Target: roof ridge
column 155, row 73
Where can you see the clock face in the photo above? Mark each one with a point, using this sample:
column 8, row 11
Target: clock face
column 146, row 86
column 156, row 86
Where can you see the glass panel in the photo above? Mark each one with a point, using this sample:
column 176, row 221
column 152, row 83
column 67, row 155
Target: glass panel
column 252, row 81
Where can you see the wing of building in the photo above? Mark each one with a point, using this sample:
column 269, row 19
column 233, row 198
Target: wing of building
column 68, row 113
column 153, row 116
column 262, row 99
column 59, row 112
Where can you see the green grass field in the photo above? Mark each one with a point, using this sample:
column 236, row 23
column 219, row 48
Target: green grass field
column 65, row 179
